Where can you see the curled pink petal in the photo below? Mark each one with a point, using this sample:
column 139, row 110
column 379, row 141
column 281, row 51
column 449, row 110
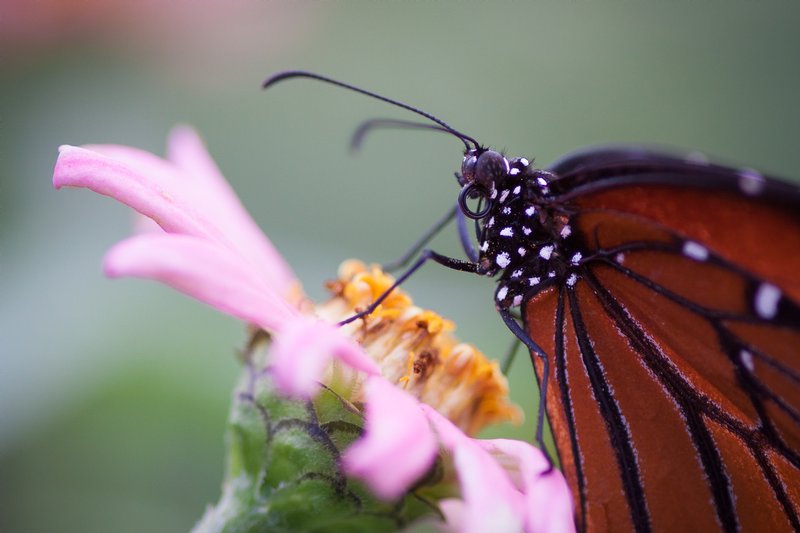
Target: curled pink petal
column 202, row 270
column 154, row 194
column 398, row 446
column 302, row 350
column 186, row 150
column 548, row 501
column 200, row 204
column 491, row 502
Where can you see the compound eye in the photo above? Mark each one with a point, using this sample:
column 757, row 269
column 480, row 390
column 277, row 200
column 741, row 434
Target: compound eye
column 468, row 168
column 491, row 169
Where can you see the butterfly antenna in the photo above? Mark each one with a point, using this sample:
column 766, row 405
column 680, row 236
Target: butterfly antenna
column 368, row 125
column 280, row 76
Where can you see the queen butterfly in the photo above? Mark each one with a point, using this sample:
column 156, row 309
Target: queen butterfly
column 661, row 295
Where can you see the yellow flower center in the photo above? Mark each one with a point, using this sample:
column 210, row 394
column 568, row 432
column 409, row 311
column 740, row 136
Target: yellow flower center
column 417, row 351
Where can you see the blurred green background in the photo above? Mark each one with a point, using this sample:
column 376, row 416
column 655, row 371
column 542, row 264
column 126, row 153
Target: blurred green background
column 113, row 395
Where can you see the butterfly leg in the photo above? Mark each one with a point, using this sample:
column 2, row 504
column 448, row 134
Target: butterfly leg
column 449, row 262
column 508, row 358
column 426, row 237
column 463, row 236
column 537, row 351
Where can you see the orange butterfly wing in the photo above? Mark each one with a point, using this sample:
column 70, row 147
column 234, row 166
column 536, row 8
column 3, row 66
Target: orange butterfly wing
column 677, row 360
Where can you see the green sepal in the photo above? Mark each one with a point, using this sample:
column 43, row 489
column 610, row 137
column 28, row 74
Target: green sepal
column 283, row 471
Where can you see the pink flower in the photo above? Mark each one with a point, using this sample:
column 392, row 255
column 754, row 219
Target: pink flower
column 212, row 250
column 396, row 450
column 506, row 485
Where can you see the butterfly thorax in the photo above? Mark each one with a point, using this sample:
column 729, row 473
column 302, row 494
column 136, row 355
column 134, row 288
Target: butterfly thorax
column 523, row 235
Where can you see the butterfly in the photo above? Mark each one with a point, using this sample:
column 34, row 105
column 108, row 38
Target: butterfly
column 659, row 297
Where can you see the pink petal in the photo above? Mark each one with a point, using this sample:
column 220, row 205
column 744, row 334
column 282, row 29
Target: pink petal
column 301, row 353
column 202, row 270
column 154, row 193
column 491, row 502
column 548, row 502
column 202, row 205
column 187, row 151
column 398, row 446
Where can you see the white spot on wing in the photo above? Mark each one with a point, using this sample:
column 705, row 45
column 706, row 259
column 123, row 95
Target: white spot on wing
column 566, row 231
column 504, row 195
column 517, row 273
column 522, row 251
column 747, row 360
column 576, row 258
column 572, row 279
column 534, row 281
column 501, row 294
column 494, row 194
column 517, row 300
column 766, row 300
column 620, row 258
column 751, row 182
column 484, row 246
column 507, row 232
column 506, row 210
column 546, row 251
column 505, row 162
column 551, row 274
column 526, row 230
column 695, row 250
column 530, row 211
column 490, row 223
column 517, row 189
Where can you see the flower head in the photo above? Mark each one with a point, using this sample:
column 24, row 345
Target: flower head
column 418, row 388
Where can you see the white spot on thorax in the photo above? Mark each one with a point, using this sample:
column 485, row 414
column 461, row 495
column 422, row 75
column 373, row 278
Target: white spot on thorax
column 766, row 300
column 494, row 194
column 566, row 231
column 507, row 232
column 501, row 294
column 524, row 162
column 576, row 258
column 572, row 279
column 530, row 211
column 695, row 250
column 490, row 223
column 514, row 171
column 546, row 251
column 508, row 167
column 751, row 182
column 747, row 360
column 503, row 260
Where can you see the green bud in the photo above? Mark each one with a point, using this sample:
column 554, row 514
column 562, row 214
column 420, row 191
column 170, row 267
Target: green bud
column 283, row 465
